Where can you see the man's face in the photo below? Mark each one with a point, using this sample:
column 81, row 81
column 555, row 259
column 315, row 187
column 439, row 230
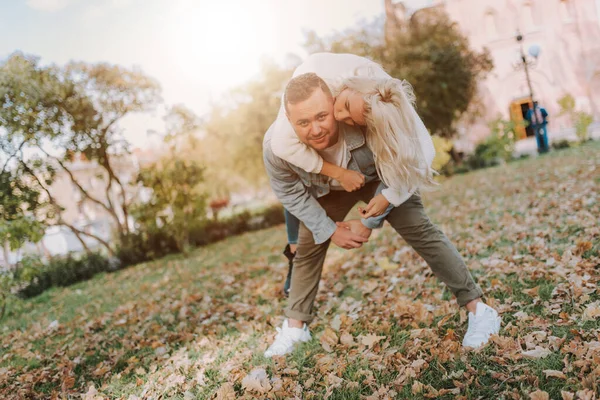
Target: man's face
column 349, row 108
column 313, row 120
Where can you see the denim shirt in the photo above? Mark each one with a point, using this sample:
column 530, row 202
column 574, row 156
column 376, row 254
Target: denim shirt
column 298, row 190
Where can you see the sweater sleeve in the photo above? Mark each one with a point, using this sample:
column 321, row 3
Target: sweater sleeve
column 286, row 145
column 332, row 68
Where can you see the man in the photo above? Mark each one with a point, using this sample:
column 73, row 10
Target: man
column 309, row 196
column 538, row 120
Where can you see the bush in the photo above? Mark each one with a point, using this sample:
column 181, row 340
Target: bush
column 154, row 243
column 580, row 119
column 33, row 277
column 561, row 144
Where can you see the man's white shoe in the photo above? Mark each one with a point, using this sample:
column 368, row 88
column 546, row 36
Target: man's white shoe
column 286, row 339
column 484, row 323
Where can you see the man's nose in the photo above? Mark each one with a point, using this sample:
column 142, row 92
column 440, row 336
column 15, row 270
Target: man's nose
column 316, row 128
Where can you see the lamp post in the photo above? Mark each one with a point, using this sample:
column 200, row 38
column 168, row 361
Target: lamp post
column 534, row 51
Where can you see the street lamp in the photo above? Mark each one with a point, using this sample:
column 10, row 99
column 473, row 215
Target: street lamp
column 534, row 51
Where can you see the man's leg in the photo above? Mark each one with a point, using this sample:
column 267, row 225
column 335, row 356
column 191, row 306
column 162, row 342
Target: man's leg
column 292, row 226
column 545, row 137
column 539, row 139
column 309, row 260
column 306, row 274
column 411, row 222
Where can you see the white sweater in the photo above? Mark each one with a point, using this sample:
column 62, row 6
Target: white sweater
column 333, row 69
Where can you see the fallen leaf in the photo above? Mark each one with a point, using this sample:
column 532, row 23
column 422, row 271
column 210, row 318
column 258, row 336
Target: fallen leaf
column 539, row 395
column 226, row 392
column 290, row 372
column 256, row 381
column 417, row 387
column 328, row 340
column 554, row 374
column 591, row 312
column 385, row 264
column 533, row 292
column 309, row 382
column 91, row 393
column 347, row 339
column 68, row 383
column 567, row 395
column 53, row 325
column 538, row 352
column 370, row 340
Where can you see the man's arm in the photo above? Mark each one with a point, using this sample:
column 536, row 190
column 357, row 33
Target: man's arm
column 295, row 197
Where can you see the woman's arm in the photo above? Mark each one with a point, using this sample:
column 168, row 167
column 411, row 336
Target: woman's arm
column 350, row 180
column 286, row 145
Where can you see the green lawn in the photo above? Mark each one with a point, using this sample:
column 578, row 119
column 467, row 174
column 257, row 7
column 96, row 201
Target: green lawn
column 197, row 327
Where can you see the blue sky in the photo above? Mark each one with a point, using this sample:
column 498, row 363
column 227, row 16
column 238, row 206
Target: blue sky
column 196, row 49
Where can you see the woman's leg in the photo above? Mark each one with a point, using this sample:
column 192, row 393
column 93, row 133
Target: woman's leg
column 292, row 226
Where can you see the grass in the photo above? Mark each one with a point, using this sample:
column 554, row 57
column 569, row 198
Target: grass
column 195, row 327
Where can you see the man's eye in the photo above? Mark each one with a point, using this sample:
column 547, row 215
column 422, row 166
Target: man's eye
column 303, row 124
column 322, row 117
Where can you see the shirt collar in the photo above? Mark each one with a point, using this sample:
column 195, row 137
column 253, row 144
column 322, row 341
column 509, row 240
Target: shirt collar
column 352, row 135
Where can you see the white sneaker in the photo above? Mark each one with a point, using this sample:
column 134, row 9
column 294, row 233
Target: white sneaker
column 484, row 323
column 286, row 339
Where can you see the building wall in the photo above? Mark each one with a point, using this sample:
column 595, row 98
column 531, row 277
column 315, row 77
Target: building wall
column 568, row 32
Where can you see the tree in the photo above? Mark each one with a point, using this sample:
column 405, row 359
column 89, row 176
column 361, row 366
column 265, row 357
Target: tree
column 581, row 119
column 175, row 204
column 231, row 149
column 430, row 53
column 51, row 114
column 20, row 207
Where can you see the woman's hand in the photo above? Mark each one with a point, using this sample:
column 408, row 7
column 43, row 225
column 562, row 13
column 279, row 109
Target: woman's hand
column 351, row 180
column 376, row 207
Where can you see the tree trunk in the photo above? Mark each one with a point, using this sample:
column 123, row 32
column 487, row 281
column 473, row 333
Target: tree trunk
column 455, row 156
column 6, row 252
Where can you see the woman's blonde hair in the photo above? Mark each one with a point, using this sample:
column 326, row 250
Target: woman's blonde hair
column 393, row 132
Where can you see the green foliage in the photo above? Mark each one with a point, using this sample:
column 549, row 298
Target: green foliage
column 231, row 150
column 499, row 145
column 175, row 205
column 583, row 121
column 148, row 244
column 33, row 277
column 442, row 152
column 495, row 149
column 431, row 54
column 561, row 144
column 19, row 206
column 580, row 119
column 566, row 104
column 56, row 112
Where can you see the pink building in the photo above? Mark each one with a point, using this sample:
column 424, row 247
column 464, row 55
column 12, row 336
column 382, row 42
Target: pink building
column 568, row 34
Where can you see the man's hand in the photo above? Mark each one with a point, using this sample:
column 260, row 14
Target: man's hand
column 356, row 226
column 376, row 207
column 346, row 239
column 351, row 180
